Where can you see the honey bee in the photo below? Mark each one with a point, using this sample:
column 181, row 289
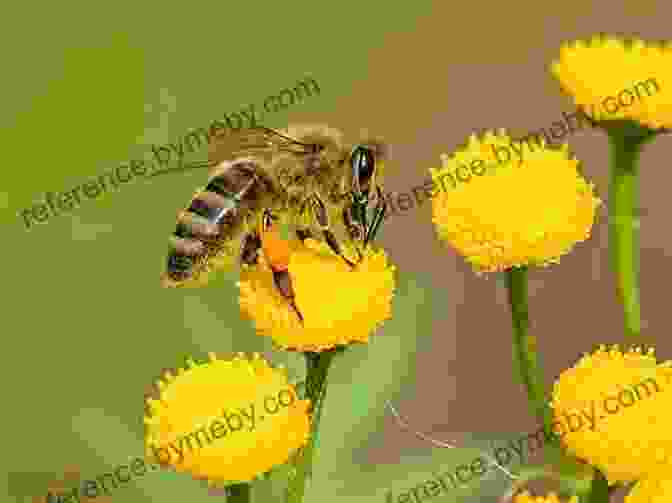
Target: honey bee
column 306, row 175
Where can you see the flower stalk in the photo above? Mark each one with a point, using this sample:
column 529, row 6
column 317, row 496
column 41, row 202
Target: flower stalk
column 317, row 368
column 626, row 140
column 524, row 345
column 238, row 493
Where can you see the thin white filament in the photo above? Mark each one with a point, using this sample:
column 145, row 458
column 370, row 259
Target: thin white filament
column 404, row 425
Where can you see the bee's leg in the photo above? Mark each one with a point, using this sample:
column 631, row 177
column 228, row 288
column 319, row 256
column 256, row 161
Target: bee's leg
column 303, row 234
column 345, row 181
column 355, row 229
column 322, row 218
column 249, row 254
column 358, row 208
column 378, row 216
column 251, row 243
column 372, row 182
column 362, row 207
column 249, row 249
column 283, row 282
column 267, row 219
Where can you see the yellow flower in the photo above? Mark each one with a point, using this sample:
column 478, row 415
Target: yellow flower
column 525, row 497
column 226, row 421
column 612, row 78
column 338, row 305
column 652, row 490
column 499, row 211
column 618, row 410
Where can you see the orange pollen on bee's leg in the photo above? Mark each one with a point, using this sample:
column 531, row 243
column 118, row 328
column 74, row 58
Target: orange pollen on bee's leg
column 276, row 250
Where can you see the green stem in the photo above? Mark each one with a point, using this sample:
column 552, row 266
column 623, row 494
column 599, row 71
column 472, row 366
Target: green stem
column 238, row 493
column 577, row 480
column 524, row 345
column 599, row 491
column 317, row 367
column 626, row 140
column 588, row 483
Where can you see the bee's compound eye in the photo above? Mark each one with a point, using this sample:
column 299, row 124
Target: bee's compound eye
column 249, row 250
column 362, row 164
column 266, row 222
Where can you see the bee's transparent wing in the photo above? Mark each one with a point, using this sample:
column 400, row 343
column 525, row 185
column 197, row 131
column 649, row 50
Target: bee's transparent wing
column 254, row 141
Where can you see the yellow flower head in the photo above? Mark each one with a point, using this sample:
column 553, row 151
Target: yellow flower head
column 612, row 78
column 338, row 304
column 510, row 203
column 226, row 421
column 652, row 490
column 613, row 410
column 525, row 497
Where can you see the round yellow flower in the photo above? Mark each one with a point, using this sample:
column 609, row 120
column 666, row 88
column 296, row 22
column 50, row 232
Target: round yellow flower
column 652, row 490
column 613, row 410
column 499, row 211
column 226, row 421
column 612, row 78
column 338, row 304
column 525, row 497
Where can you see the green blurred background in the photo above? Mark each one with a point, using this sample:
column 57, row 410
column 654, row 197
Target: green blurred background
column 87, row 330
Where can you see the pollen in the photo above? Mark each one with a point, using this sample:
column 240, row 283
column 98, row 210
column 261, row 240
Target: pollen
column 339, row 305
column 276, row 249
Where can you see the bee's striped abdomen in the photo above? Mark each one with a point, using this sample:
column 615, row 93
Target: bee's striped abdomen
column 192, row 225
column 187, row 246
column 209, row 214
column 215, row 218
column 219, row 186
column 212, row 206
